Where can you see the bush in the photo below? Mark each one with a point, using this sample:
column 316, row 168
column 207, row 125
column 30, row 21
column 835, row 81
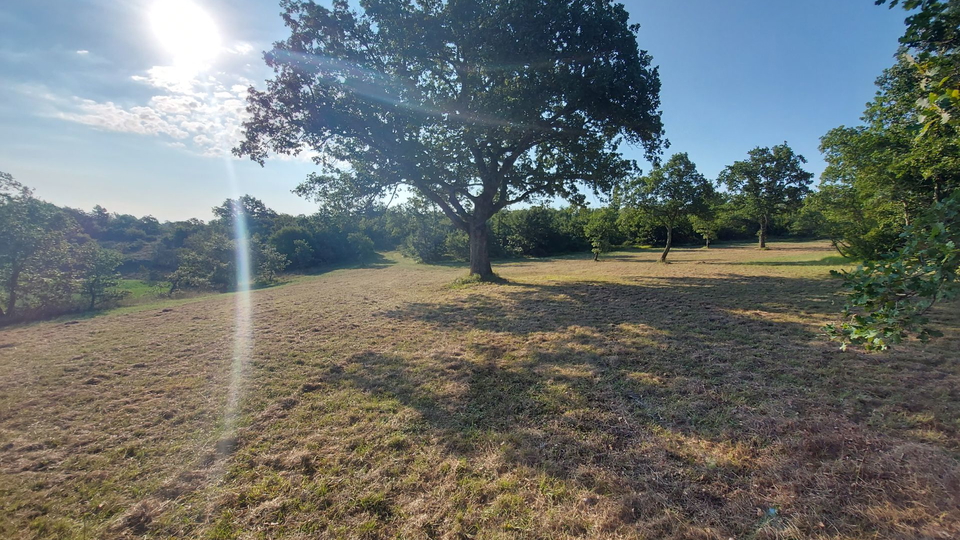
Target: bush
column 362, row 246
column 457, row 245
column 268, row 263
column 425, row 245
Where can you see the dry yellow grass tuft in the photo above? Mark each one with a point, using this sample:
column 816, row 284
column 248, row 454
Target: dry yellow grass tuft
column 620, row 399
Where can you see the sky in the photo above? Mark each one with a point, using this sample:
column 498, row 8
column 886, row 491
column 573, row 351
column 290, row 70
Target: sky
column 99, row 105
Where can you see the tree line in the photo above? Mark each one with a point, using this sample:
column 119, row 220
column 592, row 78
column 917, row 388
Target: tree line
column 56, row 260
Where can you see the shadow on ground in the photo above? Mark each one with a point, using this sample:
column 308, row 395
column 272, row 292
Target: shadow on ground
column 704, row 400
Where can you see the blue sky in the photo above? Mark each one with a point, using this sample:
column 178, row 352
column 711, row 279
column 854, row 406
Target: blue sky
column 92, row 113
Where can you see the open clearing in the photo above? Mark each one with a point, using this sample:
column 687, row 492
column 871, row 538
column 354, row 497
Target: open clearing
column 620, row 399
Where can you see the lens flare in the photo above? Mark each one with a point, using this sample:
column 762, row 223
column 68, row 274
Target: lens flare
column 243, row 318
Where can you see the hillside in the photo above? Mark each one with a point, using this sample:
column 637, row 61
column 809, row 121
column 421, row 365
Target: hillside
column 619, row 399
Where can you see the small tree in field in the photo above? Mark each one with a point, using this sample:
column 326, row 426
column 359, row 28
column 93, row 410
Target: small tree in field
column 474, row 105
column 100, row 276
column 599, row 228
column 671, row 193
column 706, row 227
column 770, row 183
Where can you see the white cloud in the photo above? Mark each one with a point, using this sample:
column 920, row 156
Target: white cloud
column 111, row 117
column 202, row 115
column 241, row 48
column 83, row 51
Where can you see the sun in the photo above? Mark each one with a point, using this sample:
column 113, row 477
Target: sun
column 187, row 32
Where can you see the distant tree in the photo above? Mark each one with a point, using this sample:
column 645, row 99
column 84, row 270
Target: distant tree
column 268, row 263
column 772, row 181
column 207, row 261
column 637, row 226
column 474, row 105
column 101, row 218
column 294, row 243
column 99, row 274
column 427, row 235
column 533, row 231
column 425, row 245
column 181, row 230
column 599, row 228
column 707, row 227
column 670, row 194
column 258, row 219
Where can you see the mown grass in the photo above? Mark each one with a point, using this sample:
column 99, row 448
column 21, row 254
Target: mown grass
column 619, row 399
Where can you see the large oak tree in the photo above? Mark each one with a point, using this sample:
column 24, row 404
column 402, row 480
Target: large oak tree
column 475, row 104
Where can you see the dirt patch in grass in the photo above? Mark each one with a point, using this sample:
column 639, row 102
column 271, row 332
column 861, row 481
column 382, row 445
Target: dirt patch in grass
column 619, row 399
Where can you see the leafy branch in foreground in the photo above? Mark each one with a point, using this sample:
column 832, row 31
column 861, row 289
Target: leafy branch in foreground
column 889, row 298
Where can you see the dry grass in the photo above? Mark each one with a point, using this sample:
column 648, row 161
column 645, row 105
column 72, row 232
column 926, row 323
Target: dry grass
column 620, row 399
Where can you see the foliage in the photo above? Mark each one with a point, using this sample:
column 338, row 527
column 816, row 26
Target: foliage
column 257, row 219
column 600, row 227
column 36, row 267
column 933, row 35
column 882, row 175
column 207, row 261
column 670, row 194
column 475, row 106
column 426, row 245
column 707, row 227
column 912, row 135
column 101, row 281
column 768, row 184
column 888, row 298
column 363, row 249
column 293, row 242
column 267, row 262
column 457, row 245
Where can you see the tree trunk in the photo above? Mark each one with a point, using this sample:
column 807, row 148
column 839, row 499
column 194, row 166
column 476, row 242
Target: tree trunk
column 480, row 251
column 12, row 290
column 666, row 250
column 708, row 242
column 763, row 233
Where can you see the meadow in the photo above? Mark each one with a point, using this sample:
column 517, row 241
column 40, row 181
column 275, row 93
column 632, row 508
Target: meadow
column 577, row 399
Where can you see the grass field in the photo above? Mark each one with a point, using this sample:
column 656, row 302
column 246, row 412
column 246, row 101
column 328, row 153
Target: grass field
column 620, row 399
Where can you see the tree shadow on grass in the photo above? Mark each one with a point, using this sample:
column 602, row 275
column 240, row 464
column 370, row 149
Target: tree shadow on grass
column 703, row 397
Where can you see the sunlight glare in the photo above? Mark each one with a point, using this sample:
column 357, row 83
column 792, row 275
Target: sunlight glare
column 187, row 32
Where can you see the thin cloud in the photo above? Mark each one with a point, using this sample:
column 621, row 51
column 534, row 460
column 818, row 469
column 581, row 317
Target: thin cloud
column 202, row 115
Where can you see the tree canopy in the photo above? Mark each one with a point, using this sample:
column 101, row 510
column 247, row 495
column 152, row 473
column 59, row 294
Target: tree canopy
column 670, row 193
column 476, row 105
column 771, row 182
